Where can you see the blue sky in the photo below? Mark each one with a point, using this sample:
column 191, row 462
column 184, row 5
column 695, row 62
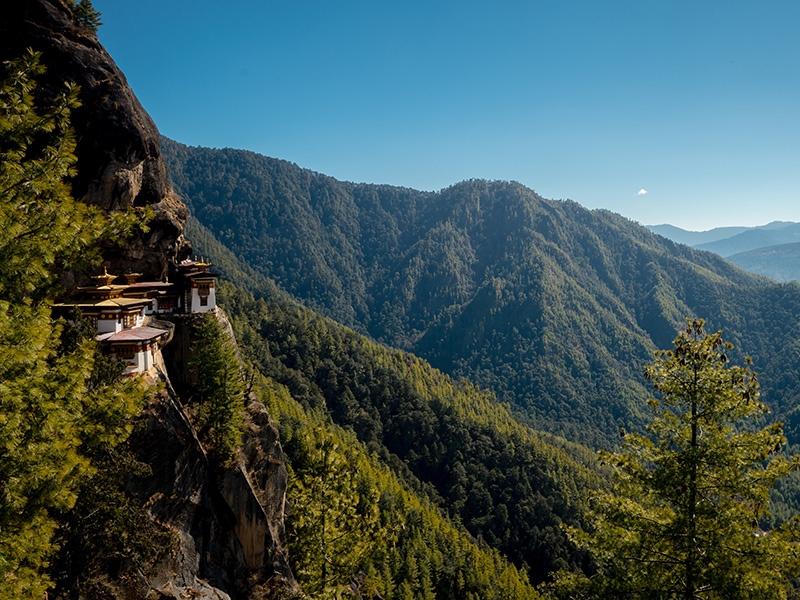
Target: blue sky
column 695, row 103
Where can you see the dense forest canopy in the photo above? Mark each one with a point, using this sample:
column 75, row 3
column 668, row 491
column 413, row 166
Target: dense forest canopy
column 357, row 527
column 509, row 485
column 553, row 307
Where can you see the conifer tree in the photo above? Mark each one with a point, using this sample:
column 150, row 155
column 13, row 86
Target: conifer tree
column 335, row 524
column 684, row 519
column 86, row 14
column 49, row 411
column 219, row 391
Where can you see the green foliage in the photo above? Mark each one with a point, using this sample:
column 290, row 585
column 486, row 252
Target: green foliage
column 336, row 523
column 409, row 549
column 52, row 410
column 554, row 308
column 219, row 391
column 106, row 527
column 684, row 519
column 510, row 487
column 85, row 14
column 106, row 530
column 42, row 225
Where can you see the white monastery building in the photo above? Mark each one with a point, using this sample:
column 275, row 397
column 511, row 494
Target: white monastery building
column 120, row 311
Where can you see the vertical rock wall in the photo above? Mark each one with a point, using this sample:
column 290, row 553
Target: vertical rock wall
column 119, row 158
column 228, row 523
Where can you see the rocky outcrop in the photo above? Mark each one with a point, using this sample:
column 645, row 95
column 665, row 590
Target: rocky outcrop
column 227, row 523
column 262, row 458
column 119, row 158
column 232, row 528
column 255, row 492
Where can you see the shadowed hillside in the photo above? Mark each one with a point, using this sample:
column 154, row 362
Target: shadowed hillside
column 554, row 307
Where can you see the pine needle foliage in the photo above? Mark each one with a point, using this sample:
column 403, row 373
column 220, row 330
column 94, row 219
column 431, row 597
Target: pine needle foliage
column 86, row 14
column 219, row 392
column 50, row 413
column 339, row 523
column 684, row 519
column 43, row 226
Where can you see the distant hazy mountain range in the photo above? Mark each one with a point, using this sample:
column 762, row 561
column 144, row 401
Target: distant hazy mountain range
column 772, row 249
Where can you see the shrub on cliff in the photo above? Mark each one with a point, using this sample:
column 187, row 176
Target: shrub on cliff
column 219, row 391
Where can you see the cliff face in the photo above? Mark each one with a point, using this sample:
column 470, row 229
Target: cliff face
column 230, row 521
column 227, row 523
column 119, row 159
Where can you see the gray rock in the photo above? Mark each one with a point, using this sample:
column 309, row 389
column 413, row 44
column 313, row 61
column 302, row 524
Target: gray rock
column 119, row 157
column 227, row 523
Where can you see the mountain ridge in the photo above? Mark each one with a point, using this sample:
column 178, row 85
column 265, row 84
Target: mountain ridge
column 697, row 238
column 781, row 262
column 692, row 238
column 765, row 250
column 554, row 307
column 753, row 239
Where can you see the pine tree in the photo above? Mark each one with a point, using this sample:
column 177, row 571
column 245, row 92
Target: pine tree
column 335, row 524
column 49, row 412
column 86, row 14
column 684, row 519
column 219, row 393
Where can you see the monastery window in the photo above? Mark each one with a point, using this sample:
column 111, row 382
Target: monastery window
column 130, row 320
column 204, row 291
column 125, row 352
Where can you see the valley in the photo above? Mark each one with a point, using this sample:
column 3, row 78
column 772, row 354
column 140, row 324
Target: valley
column 356, row 390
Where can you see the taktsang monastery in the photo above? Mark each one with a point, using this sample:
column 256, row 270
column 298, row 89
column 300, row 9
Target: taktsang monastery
column 120, row 311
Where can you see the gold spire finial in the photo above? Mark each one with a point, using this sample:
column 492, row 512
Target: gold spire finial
column 130, row 278
column 202, row 264
column 105, row 278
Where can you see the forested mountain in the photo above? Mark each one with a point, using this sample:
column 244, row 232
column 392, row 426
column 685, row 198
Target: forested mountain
column 780, row 262
column 752, row 239
column 510, row 486
column 553, row 307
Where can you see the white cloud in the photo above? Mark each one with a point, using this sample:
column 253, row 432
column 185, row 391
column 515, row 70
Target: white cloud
column 641, row 192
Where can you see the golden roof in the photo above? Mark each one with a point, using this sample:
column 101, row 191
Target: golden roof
column 113, row 303
column 105, row 278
